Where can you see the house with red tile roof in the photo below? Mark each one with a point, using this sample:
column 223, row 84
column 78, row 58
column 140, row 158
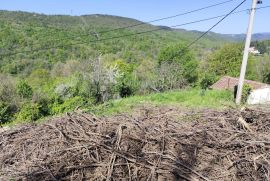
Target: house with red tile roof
column 260, row 93
column 228, row 83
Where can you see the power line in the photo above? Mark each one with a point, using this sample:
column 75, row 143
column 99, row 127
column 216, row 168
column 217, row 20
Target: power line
column 170, row 17
column 222, row 19
column 143, row 23
column 232, row 12
column 139, row 33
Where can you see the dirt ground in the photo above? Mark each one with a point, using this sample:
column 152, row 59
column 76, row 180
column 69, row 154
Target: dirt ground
column 155, row 143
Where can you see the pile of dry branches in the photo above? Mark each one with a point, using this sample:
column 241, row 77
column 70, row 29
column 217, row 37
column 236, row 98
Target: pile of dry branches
column 153, row 144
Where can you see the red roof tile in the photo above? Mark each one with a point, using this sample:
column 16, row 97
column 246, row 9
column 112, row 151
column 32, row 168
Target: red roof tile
column 228, row 83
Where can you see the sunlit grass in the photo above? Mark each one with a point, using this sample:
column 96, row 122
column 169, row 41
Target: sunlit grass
column 192, row 98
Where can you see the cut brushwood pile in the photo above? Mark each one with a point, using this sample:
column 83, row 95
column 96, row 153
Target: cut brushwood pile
column 153, row 144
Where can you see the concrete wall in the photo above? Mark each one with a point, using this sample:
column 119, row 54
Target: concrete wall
column 259, row 96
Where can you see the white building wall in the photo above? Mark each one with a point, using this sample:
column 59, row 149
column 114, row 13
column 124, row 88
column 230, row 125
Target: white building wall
column 259, row 96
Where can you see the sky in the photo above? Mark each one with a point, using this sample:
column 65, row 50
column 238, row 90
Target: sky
column 147, row 10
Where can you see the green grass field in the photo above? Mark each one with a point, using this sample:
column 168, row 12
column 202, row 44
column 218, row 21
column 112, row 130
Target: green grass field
column 191, row 98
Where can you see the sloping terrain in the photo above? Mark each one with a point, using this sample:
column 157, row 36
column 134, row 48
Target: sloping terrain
column 72, row 37
column 155, row 143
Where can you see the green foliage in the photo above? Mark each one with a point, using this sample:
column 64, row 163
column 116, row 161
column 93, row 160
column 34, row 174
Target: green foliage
column 67, row 106
column 29, row 112
column 58, row 80
column 182, row 57
column 24, row 90
column 246, row 92
column 227, row 60
column 191, row 98
column 207, row 80
column 169, row 76
column 39, row 77
column 267, row 78
column 7, row 89
column 26, row 31
column 64, row 91
column 126, row 84
column 262, row 46
column 44, row 101
column 262, row 68
column 125, row 90
column 5, row 112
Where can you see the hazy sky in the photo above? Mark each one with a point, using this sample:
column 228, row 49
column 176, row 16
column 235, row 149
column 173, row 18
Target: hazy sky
column 147, row 10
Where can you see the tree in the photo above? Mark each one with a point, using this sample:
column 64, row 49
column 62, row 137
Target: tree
column 29, row 112
column 39, row 77
column 169, row 76
column 7, row 89
column 228, row 60
column 5, row 112
column 262, row 46
column 182, row 57
column 24, row 90
column 262, row 68
column 127, row 83
column 206, row 80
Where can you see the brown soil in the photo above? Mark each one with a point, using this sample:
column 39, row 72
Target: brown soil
column 153, row 144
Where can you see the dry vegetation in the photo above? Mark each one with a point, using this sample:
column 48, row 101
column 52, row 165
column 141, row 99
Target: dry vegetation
column 152, row 144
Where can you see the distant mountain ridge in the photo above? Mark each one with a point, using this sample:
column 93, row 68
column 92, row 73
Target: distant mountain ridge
column 255, row 36
column 112, row 20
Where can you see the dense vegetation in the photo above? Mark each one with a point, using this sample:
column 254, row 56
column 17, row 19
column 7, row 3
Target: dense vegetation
column 38, row 81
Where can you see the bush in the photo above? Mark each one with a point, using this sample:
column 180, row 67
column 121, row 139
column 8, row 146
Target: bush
column 246, row 92
column 182, row 57
column 169, row 76
column 127, row 85
column 267, row 79
column 67, row 106
column 8, row 89
column 125, row 90
column 5, row 112
column 64, row 91
column 43, row 101
column 29, row 112
column 39, row 77
column 207, row 80
column 24, row 90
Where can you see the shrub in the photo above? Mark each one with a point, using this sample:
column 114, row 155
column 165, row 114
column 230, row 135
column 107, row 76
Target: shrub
column 39, row 77
column 127, row 85
column 24, row 90
column 125, row 90
column 7, row 89
column 246, row 92
column 63, row 91
column 182, row 57
column 169, row 76
column 29, row 112
column 267, row 78
column 68, row 105
column 207, row 80
column 43, row 101
column 227, row 61
column 5, row 112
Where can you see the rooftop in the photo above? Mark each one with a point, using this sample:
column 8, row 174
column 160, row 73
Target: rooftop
column 228, row 83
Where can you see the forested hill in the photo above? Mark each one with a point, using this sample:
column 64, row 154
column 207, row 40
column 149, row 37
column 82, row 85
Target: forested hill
column 25, row 32
column 50, row 65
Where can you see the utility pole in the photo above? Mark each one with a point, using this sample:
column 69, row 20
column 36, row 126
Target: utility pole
column 246, row 51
